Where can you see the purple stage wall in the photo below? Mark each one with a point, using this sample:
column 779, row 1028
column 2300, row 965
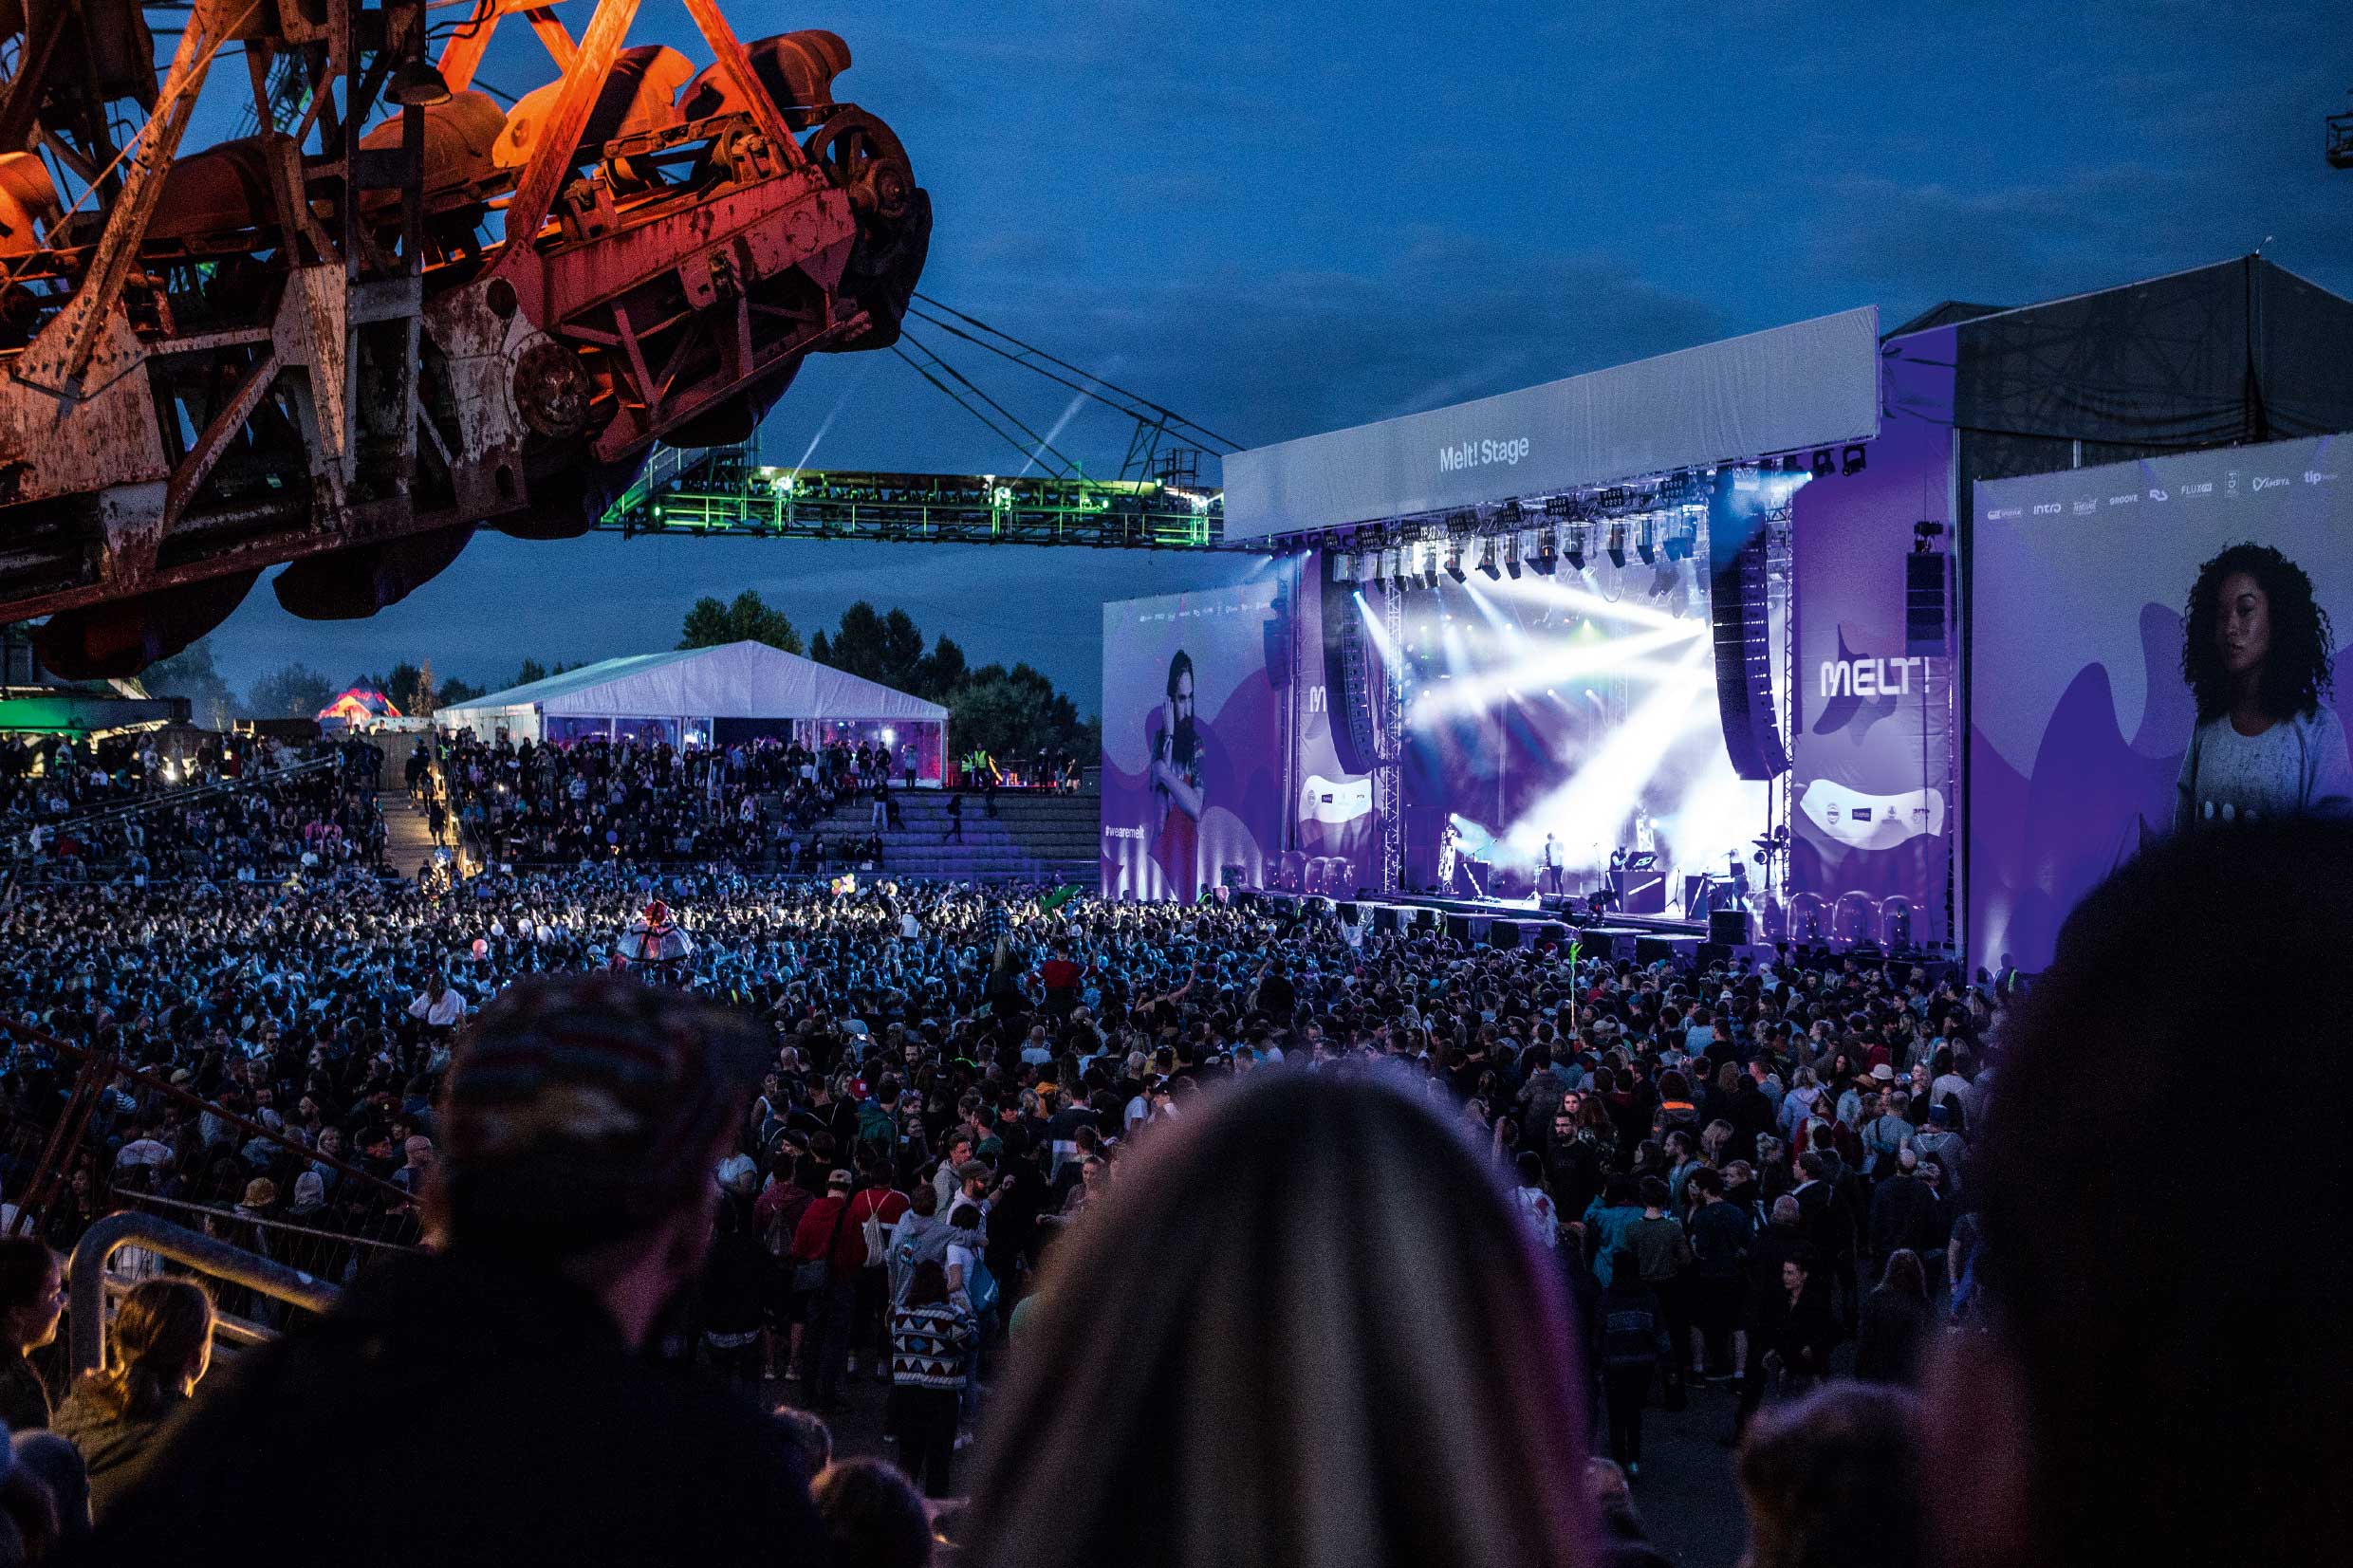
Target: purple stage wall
column 1181, row 802
column 2079, row 715
column 1872, row 757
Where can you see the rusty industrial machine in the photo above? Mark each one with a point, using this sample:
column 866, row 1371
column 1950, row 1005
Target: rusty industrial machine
column 398, row 311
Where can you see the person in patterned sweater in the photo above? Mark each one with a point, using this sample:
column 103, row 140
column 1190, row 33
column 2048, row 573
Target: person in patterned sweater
column 931, row 1345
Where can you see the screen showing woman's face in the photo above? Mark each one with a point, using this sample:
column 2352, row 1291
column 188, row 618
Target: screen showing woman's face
column 2243, row 630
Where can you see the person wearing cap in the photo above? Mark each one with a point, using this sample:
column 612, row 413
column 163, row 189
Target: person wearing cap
column 828, row 1253
column 491, row 1393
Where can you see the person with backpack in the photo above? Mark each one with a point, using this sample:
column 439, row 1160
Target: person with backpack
column 1632, row 1330
column 874, row 1209
column 1721, row 1237
column 828, row 1253
column 776, row 1219
column 1664, row 1254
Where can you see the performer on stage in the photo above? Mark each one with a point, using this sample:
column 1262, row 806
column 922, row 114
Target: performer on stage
column 1549, row 867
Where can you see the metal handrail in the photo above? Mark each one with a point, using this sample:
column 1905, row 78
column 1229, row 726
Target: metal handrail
column 86, row 1274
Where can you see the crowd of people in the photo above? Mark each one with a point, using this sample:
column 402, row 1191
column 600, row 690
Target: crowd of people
column 1222, row 1229
column 758, row 805
column 128, row 808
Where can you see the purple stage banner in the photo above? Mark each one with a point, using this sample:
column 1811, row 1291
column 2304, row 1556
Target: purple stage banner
column 1193, row 740
column 1872, row 821
column 2085, row 734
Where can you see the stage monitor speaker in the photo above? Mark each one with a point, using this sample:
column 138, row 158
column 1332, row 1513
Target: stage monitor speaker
column 1385, row 917
column 1552, row 931
column 1925, row 574
column 1426, row 918
column 1650, row 950
column 1351, row 912
column 1728, row 926
column 1459, row 926
column 1713, row 954
column 1504, row 934
column 1744, row 646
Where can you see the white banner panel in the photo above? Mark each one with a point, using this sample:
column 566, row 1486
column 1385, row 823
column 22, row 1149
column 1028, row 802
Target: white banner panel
column 1809, row 384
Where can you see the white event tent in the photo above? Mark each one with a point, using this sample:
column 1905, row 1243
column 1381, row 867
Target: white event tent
column 729, row 695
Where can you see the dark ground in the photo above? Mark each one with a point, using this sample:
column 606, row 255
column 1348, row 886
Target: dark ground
column 1685, row 1492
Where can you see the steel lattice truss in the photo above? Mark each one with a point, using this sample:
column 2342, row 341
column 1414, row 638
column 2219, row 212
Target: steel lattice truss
column 726, row 492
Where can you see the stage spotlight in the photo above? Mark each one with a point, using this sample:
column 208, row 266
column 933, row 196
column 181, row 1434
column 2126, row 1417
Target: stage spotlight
column 1512, row 557
column 1850, row 459
column 1344, row 566
column 1547, row 553
column 1486, row 560
column 1577, row 549
column 1618, row 545
column 1644, row 546
column 1453, row 559
column 1823, row 466
column 1430, row 566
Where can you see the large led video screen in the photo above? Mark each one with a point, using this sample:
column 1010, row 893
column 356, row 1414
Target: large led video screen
column 1192, row 739
column 2152, row 646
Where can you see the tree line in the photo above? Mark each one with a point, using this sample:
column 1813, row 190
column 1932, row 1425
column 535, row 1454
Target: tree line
column 1011, row 713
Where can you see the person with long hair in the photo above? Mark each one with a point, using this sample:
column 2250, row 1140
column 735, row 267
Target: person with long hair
column 158, row 1350
column 1237, row 1359
column 1175, row 775
column 2257, row 649
column 1896, row 1323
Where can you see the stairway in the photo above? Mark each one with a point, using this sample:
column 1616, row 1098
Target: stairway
column 408, row 843
column 1032, row 839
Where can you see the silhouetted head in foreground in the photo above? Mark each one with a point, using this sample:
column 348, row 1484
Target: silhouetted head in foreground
column 1307, row 1329
column 2166, row 1227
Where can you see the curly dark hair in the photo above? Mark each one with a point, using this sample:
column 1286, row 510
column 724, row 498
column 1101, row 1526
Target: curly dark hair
column 2296, row 673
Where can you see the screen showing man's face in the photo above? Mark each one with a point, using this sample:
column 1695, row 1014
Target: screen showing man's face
column 1180, row 707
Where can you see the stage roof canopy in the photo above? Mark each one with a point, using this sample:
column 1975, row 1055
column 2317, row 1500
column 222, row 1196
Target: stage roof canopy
column 1809, row 384
column 738, row 681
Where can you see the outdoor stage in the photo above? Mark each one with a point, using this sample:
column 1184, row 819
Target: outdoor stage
column 1508, row 924
column 1715, row 607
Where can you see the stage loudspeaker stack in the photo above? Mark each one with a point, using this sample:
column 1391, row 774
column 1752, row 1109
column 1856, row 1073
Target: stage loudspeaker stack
column 1459, row 926
column 1728, row 927
column 1426, row 918
column 1925, row 574
column 1712, row 954
column 1385, row 917
column 1650, row 950
column 1504, row 934
column 1552, row 931
column 1351, row 912
column 1743, row 645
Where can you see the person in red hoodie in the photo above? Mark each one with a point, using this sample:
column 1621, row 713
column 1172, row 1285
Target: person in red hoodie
column 874, row 1209
column 1060, row 975
column 828, row 1253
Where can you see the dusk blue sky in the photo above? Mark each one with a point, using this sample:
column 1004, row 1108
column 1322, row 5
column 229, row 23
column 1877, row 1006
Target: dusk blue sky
column 1280, row 220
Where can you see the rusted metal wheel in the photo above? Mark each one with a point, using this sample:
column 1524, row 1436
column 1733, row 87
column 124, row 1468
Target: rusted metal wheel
column 866, row 162
column 552, row 390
